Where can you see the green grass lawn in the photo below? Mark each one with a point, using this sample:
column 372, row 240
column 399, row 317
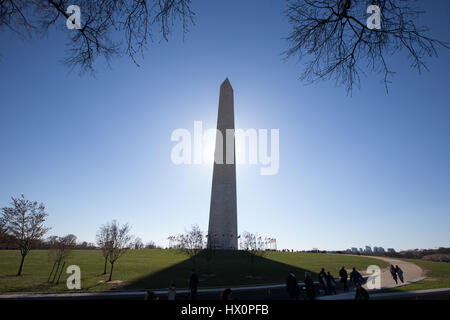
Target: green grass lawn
column 145, row 269
column 437, row 273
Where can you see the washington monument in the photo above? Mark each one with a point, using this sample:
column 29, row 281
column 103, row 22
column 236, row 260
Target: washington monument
column 222, row 231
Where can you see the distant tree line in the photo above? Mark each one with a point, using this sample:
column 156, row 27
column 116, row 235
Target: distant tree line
column 441, row 254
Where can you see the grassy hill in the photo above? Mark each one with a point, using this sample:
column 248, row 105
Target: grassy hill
column 155, row 268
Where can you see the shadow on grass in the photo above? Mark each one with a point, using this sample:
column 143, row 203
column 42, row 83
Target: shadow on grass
column 226, row 269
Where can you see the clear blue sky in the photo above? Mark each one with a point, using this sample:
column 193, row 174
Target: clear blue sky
column 368, row 169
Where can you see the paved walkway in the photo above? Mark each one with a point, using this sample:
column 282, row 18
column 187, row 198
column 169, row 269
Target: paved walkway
column 411, row 273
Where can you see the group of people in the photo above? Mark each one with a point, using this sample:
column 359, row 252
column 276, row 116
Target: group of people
column 396, row 273
column 294, row 290
column 327, row 283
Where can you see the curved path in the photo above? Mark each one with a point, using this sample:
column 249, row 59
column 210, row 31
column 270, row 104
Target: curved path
column 411, row 273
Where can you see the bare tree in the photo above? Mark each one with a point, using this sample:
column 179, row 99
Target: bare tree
column 60, row 249
column 150, row 245
column 104, row 242
column 254, row 245
column 109, row 28
column 120, row 242
column 138, row 244
column 191, row 243
column 3, row 234
column 24, row 221
column 336, row 38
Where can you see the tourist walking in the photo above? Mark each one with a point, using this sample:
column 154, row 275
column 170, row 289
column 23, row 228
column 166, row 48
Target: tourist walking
column 399, row 273
column 323, row 280
column 309, row 286
column 331, row 283
column 226, row 294
column 193, row 285
column 292, row 286
column 344, row 276
column 361, row 293
column 356, row 277
column 394, row 274
column 172, row 292
column 150, row 296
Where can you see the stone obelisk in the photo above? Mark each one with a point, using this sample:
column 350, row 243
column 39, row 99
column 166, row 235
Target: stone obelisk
column 222, row 231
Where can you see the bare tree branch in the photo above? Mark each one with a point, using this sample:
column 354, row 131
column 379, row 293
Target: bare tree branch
column 110, row 28
column 333, row 38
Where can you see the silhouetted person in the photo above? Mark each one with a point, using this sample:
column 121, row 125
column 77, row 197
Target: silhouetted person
column 356, row 277
column 399, row 273
column 394, row 274
column 361, row 293
column 309, row 286
column 323, row 280
column 193, row 285
column 150, row 296
column 292, row 286
column 344, row 276
column 226, row 294
column 331, row 283
column 172, row 292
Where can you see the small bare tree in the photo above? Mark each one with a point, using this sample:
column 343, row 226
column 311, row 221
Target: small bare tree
column 138, row 244
column 3, row 234
column 60, row 249
column 150, row 245
column 24, row 221
column 120, row 242
column 191, row 243
column 334, row 35
column 104, row 242
column 254, row 245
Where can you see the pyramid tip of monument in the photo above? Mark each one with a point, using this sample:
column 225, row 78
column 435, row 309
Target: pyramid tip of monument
column 227, row 83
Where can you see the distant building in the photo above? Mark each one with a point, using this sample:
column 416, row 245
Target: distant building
column 368, row 249
column 378, row 249
column 361, row 250
column 391, row 250
column 355, row 250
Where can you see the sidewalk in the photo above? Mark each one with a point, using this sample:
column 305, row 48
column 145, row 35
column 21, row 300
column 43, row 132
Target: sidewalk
column 433, row 293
